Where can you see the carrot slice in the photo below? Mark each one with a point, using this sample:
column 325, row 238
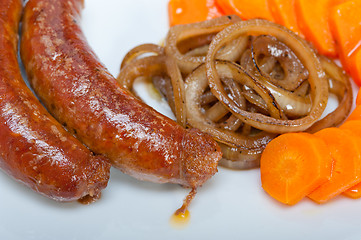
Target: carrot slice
column 345, row 22
column 353, row 192
column 293, row 165
column 191, row 11
column 354, row 127
column 355, row 114
column 225, row 6
column 358, row 98
column 346, row 171
column 246, row 9
column 353, row 65
column 283, row 12
column 312, row 18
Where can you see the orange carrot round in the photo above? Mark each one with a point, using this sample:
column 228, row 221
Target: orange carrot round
column 353, row 65
column 246, row 9
column 312, row 18
column 358, row 98
column 355, row 114
column 346, row 171
column 191, row 11
column 293, row 165
column 353, row 127
column 283, row 11
column 225, row 6
column 345, row 21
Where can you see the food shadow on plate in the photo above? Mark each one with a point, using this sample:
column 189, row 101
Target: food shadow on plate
column 17, row 190
column 119, row 178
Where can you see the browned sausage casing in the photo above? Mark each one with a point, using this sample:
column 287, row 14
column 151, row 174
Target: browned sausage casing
column 79, row 91
column 34, row 148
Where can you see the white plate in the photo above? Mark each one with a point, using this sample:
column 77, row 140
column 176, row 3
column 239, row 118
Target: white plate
column 232, row 205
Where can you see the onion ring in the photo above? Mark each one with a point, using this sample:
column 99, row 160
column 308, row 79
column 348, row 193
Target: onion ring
column 179, row 33
column 196, row 84
column 317, row 79
column 245, row 83
column 139, row 50
column 340, row 85
column 294, row 73
column 155, row 66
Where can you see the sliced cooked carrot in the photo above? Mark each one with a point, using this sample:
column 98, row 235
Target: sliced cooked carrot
column 345, row 22
column 312, row 18
column 358, row 98
column 283, row 12
column 354, row 127
column 190, row 11
column 246, row 9
column 355, row 114
column 354, row 191
column 353, row 65
column 293, row 165
column 346, row 171
column 225, row 6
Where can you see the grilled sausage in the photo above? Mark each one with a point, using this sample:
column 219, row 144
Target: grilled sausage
column 34, row 148
column 79, row 91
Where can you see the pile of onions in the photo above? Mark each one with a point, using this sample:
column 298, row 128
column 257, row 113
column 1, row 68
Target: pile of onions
column 243, row 82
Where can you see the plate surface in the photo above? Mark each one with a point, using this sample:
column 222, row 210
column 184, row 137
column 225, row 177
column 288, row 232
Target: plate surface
column 232, row 205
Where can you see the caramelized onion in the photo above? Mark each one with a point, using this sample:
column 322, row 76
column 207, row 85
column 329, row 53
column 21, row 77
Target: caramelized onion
column 156, row 66
column 292, row 104
column 196, row 84
column 291, row 73
column 317, row 79
column 179, row 33
column 141, row 49
column 245, row 83
column 236, row 158
column 340, row 85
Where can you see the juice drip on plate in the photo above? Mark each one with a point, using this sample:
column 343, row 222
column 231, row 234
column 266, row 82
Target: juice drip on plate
column 181, row 217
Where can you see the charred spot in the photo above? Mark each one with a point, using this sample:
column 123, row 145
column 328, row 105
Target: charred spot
column 38, row 13
column 52, row 106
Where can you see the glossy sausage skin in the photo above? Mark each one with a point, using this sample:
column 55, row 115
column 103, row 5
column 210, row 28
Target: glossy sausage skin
column 34, row 148
column 79, row 91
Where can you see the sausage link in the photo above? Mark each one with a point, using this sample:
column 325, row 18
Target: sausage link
column 34, row 148
column 79, row 91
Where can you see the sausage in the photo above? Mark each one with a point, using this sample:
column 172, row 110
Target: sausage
column 35, row 149
column 80, row 92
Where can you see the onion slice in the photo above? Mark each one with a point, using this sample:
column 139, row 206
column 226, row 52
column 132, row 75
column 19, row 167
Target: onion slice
column 141, row 49
column 157, row 66
column 317, row 79
column 340, row 85
column 179, row 33
column 292, row 73
column 245, row 83
column 196, row 84
column 236, row 158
